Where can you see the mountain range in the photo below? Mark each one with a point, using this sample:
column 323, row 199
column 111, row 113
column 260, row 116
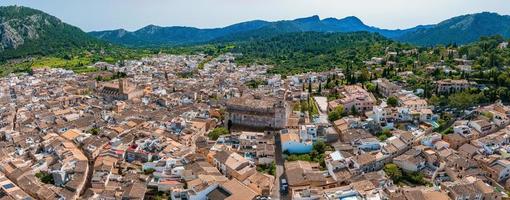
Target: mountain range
column 156, row 35
column 26, row 31
column 472, row 27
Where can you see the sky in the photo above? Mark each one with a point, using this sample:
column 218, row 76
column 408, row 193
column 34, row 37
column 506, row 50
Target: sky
column 92, row 15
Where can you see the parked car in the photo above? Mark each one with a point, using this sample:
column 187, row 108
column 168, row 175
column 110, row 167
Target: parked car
column 284, row 186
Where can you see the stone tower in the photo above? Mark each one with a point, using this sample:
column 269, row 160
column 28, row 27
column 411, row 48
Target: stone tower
column 124, row 86
column 281, row 113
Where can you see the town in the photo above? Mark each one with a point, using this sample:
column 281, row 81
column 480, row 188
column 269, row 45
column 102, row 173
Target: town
column 194, row 127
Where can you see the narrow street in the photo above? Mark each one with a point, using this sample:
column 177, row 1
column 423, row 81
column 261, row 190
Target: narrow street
column 280, row 170
column 440, row 168
column 90, row 172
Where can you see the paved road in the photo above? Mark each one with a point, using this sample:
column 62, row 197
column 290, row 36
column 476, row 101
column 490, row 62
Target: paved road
column 280, row 170
column 440, row 168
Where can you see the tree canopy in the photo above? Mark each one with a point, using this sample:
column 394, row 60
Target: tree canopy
column 217, row 132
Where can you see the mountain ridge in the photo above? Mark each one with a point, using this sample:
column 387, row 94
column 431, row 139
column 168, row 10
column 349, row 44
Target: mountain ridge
column 424, row 35
column 472, row 27
column 25, row 31
column 251, row 29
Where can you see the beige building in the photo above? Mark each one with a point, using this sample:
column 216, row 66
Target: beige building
column 11, row 190
column 258, row 113
column 232, row 164
column 124, row 90
column 260, row 183
column 415, row 104
column 387, row 88
column 354, row 96
column 470, row 188
column 232, row 190
column 450, row 86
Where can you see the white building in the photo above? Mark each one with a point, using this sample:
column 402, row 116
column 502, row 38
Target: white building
column 292, row 143
column 308, row 132
column 334, row 162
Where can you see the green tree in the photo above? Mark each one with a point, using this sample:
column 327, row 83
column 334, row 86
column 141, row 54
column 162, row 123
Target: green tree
column 304, row 105
column 463, row 100
column 304, row 157
column 149, row 171
column 371, row 87
column 45, row 177
column 217, row 132
column 94, row 131
column 310, row 87
column 336, row 114
column 333, row 116
column 415, row 178
column 321, row 147
column 267, row 168
column 488, row 115
column 385, row 134
column 392, row 101
column 393, row 171
column 434, row 100
column 354, row 111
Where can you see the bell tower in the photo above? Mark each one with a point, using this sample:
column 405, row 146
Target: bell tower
column 124, row 86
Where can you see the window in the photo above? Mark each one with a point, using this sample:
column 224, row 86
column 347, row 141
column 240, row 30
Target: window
column 8, row 186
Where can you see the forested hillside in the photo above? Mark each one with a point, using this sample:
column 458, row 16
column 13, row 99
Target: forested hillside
column 460, row 30
column 28, row 32
column 313, row 51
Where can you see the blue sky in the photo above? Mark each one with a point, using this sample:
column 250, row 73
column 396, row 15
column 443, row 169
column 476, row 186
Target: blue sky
column 133, row 14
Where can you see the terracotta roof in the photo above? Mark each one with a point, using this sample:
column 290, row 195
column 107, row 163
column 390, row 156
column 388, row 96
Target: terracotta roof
column 238, row 191
column 288, row 137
